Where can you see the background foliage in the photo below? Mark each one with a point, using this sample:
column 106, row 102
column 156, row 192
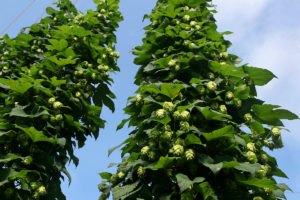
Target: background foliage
column 51, row 73
column 200, row 130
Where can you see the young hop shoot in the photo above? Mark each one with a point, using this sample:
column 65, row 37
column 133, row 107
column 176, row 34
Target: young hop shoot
column 49, row 77
column 192, row 106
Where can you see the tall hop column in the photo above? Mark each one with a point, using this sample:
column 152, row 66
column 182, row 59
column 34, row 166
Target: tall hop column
column 193, row 102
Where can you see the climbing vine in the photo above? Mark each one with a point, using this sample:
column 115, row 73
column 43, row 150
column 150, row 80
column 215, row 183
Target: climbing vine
column 200, row 131
column 54, row 81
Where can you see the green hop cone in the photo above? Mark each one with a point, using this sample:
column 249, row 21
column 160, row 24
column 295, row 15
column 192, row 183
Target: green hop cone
column 258, row 198
column 140, row 171
column 251, row 146
column 145, row 150
column 57, row 105
column 252, row 157
column 41, row 190
column 59, row 117
column 172, row 63
column 223, row 108
column 184, row 126
column 189, row 154
column 51, row 100
column 160, row 113
column 211, row 85
column 168, row 106
column 248, row 117
column 229, row 95
column 178, row 149
column 28, row 160
column 121, row 175
column 275, row 131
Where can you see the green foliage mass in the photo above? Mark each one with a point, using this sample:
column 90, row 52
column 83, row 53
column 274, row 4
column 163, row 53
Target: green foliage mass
column 50, row 75
column 200, row 132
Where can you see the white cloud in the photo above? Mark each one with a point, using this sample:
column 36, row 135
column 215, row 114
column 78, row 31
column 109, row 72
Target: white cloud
column 238, row 15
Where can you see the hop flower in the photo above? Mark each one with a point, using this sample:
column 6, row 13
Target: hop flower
column 248, row 117
column 189, row 154
column 28, row 160
column 172, row 63
column 117, row 54
column 94, row 76
column 263, row 171
column 113, row 178
column 140, row 171
column 251, row 146
column 224, row 55
column 178, row 149
column 184, row 126
column 152, row 155
column 51, row 100
column 78, row 94
column 185, row 115
column 39, row 50
column 177, row 67
column 169, row 106
column 237, row 102
column 41, row 190
column 223, row 108
column 252, row 156
column 177, row 115
column 186, row 8
column 138, row 98
column 59, row 117
column 211, row 75
column 193, row 23
column 5, row 53
column 167, row 128
column 211, row 85
column 264, row 157
column 121, row 175
column 57, row 104
column 186, row 17
column 168, row 134
column 275, row 131
column 223, row 63
column 198, row 27
column 229, row 95
column 258, row 198
column 145, row 150
column 34, row 185
column 160, row 113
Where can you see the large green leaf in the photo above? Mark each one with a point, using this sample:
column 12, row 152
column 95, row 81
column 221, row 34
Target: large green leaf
column 35, row 135
column 270, row 116
column 184, row 182
column 171, row 90
column 58, row 45
column 15, row 85
column 192, row 139
column 227, row 131
column 212, row 114
column 120, row 193
column 19, row 112
column 164, row 162
column 258, row 75
column 257, row 182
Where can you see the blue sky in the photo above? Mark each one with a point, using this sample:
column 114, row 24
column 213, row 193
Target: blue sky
column 266, row 34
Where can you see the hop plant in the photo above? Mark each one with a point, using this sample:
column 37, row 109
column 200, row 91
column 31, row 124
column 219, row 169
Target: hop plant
column 145, row 150
column 172, row 63
column 121, row 175
column 57, row 104
column 229, row 95
column 258, row 198
column 51, row 100
column 223, row 108
column 28, row 160
column 42, row 190
column 248, row 117
column 252, row 156
column 140, row 171
column 251, row 146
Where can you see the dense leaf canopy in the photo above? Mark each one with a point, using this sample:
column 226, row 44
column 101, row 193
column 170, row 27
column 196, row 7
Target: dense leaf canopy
column 51, row 75
column 200, row 132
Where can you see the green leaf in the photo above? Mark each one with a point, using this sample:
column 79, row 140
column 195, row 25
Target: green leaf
column 227, row 131
column 242, row 92
column 19, row 86
column 58, row 45
column 207, row 191
column 121, row 125
column 258, row 75
column 65, row 171
column 35, row 135
column 247, row 167
column 62, row 61
column 171, row 90
column 164, row 120
column 268, row 115
column 228, row 70
column 121, row 193
column 9, row 157
column 192, row 139
column 212, row 115
column 257, row 182
column 164, row 162
column 56, row 82
column 105, row 175
column 257, row 127
column 19, row 112
column 184, row 182
column 116, row 147
column 103, row 96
